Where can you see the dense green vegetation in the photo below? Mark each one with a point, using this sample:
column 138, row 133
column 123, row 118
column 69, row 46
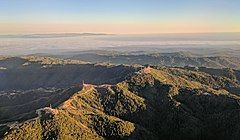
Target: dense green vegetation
column 155, row 103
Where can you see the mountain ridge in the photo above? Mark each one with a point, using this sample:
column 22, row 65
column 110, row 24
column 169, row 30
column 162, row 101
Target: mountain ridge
column 149, row 104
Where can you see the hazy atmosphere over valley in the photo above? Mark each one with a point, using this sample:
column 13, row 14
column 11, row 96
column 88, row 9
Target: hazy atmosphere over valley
column 198, row 43
column 120, row 70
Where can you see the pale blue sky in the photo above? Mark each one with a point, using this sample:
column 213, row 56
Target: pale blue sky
column 167, row 14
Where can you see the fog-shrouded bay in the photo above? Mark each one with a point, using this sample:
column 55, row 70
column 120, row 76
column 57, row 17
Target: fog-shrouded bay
column 205, row 43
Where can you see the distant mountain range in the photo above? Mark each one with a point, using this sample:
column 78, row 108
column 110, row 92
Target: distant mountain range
column 53, row 35
column 174, row 59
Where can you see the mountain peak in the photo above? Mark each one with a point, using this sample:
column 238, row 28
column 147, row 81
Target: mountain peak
column 177, row 101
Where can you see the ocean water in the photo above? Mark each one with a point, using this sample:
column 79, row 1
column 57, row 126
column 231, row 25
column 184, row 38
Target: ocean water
column 60, row 43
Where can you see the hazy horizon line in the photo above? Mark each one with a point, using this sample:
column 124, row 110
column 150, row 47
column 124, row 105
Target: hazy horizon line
column 102, row 33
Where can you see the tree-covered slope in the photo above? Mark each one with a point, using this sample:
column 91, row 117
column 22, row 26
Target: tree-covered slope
column 155, row 103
